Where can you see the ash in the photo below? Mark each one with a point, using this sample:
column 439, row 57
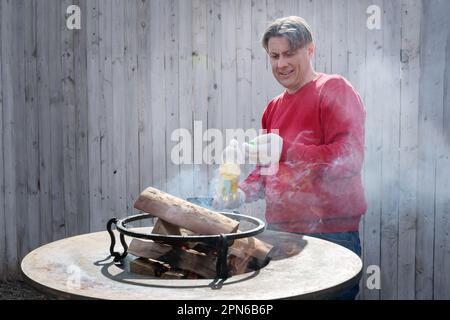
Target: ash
column 19, row 290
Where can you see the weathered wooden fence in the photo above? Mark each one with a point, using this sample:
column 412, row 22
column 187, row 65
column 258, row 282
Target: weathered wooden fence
column 87, row 115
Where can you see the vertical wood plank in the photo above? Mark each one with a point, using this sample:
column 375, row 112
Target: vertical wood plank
column 69, row 122
column 291, row 8
column 441, row 107
column 131, row 107
column 11, row 84
column 105, row 115
column 306, row 11
column 373, row 157
column 81, row 40
column 43, row 101
column 275, row 10
column 215, row 84
column 244, row 70
column 117, row 149
column 200, row 93
column 391, row 142
column 185, row 88
column 144, row 95
column 20, row 141
column 32, row 127
column 339, row 38
column 430, row 124
column 56, row 118
column 259, row 63
column 171, row 92
column 357, row 71
column 410, row 75
column 228, row 13
column 157, row 84
column 3, row 266
column 244, row 63
column 442, row 243
column 323, row 13
column 95, row 134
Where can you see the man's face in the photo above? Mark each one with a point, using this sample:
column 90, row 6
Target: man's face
column 291, row 68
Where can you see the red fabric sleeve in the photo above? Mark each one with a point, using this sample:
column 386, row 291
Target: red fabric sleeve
column 341, row 152
column 254, row 186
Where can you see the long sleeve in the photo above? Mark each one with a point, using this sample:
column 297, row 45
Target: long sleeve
column 341, row 152
column 254, row 185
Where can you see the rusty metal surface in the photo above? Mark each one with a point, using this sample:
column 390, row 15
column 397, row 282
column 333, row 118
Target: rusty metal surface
column 303, row 267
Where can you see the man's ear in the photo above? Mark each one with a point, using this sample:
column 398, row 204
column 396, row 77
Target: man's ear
column 311, row 49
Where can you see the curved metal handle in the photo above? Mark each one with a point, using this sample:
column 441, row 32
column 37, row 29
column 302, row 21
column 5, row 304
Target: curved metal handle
column 117, row 256
column 222, row 270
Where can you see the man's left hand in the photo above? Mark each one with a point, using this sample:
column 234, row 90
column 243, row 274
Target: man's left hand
column 265, row 149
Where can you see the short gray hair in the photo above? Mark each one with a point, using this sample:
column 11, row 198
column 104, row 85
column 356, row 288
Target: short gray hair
column 295, row 29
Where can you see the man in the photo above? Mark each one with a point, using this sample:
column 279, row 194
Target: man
column 316, row 189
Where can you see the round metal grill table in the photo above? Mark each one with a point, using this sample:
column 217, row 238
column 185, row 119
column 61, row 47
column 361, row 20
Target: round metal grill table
column 302, row 268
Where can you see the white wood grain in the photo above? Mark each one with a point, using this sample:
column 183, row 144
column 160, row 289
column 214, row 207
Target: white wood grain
column 199, row 92
column 3, row 266
column 373, row 158
column 144, row 95
column 131, row 107
column 56, row 122
column 69, row 123
column 157, row 85
column 171, row 92
column 430, row 124
column 81, row 40
column 357, row 72
column 339, row 37
column 185, row 100
column 32, row 225
column 391, row 141
column 410, row 75
column 215, row 109
column 95, row 135
column 323, row 24
column 105, row 116
column 117, row 152
column 441, row 110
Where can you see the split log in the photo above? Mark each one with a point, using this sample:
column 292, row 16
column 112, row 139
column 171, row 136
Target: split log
column 166, row 228
column 244, row 249
column 253, row 247
column 148, row 267
column 183, row 213
column 190, row 260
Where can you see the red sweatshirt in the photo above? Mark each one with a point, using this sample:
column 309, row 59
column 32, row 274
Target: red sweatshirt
column 317, row 187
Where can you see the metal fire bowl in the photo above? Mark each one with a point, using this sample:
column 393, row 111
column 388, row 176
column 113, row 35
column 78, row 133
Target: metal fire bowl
column 301, row 268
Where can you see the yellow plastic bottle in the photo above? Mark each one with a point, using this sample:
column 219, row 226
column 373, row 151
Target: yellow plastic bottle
column 230, row 171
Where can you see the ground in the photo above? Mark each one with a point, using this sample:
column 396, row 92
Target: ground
column 18, row 290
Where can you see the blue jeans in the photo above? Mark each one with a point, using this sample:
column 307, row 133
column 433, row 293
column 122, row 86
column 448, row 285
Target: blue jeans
column 351, row 241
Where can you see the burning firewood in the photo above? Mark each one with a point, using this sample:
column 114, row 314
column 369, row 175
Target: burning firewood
column 183, row 213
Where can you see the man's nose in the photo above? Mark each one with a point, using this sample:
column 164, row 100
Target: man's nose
column 282, row 62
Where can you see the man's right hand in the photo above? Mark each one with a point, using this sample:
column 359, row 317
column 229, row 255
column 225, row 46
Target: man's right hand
column 220, row 203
